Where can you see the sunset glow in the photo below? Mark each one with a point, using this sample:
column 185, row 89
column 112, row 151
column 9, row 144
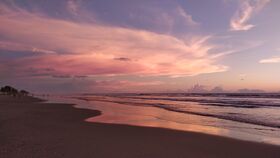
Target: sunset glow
column 151, row 46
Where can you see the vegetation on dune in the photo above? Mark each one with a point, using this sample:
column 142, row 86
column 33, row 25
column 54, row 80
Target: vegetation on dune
column 8, row 90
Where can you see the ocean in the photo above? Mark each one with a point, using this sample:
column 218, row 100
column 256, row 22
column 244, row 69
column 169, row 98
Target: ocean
column 252, row 117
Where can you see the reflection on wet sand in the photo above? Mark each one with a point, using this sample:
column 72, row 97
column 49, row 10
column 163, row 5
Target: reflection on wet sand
column 117, row 113
column 155, row 117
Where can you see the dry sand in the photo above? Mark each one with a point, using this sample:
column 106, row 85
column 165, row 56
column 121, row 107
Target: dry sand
column 30, row 128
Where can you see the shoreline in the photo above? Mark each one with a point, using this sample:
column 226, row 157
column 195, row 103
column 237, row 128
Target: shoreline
column 149, row 116
column 32, row 128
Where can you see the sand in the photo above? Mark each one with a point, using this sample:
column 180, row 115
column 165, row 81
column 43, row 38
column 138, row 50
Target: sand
column 30, row 128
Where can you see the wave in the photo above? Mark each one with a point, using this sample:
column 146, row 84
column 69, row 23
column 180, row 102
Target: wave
column 229, row 116
column 219, row 101
column 232, row 95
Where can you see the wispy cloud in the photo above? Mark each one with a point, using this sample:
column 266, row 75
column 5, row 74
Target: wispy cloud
column 92, row 49
column 270, row 60
column 247, row 9
column 187, row 17
column 164, row 20
column 6, row 45
column 72, row 6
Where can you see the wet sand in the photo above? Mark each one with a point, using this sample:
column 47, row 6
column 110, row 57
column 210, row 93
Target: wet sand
column 31, row 128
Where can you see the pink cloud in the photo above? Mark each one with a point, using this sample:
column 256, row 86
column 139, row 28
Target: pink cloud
column 91, row 49
column 125, row 85
column 186, row 17
column 248, row 8
column 270, row 60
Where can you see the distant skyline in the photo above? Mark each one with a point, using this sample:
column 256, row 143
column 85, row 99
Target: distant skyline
column 72, row 46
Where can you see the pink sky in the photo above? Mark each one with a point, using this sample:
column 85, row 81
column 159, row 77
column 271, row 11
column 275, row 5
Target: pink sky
column 78, row 47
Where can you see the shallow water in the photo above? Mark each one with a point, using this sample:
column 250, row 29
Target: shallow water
column 247, row 117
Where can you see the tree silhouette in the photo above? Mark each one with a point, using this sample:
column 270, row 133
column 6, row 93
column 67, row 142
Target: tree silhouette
column 8, row 90
column 24, row 93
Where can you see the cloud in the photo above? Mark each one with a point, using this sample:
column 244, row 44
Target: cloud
column 126, row 85
column 270, row 60
column 218, row 89
column 250, row 91
column 61, row 76
column 242, row 76
column 73, row 6
column 186, row 17
column 198, row 89
column 159, row 18
column 5, row 45
column 247, row 9
column 96, row 49
column 203, row 89
column 69, row 76
column 122, row 59
column 80, row 76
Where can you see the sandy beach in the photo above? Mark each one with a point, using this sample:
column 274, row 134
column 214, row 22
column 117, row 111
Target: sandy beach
column 31, row 128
